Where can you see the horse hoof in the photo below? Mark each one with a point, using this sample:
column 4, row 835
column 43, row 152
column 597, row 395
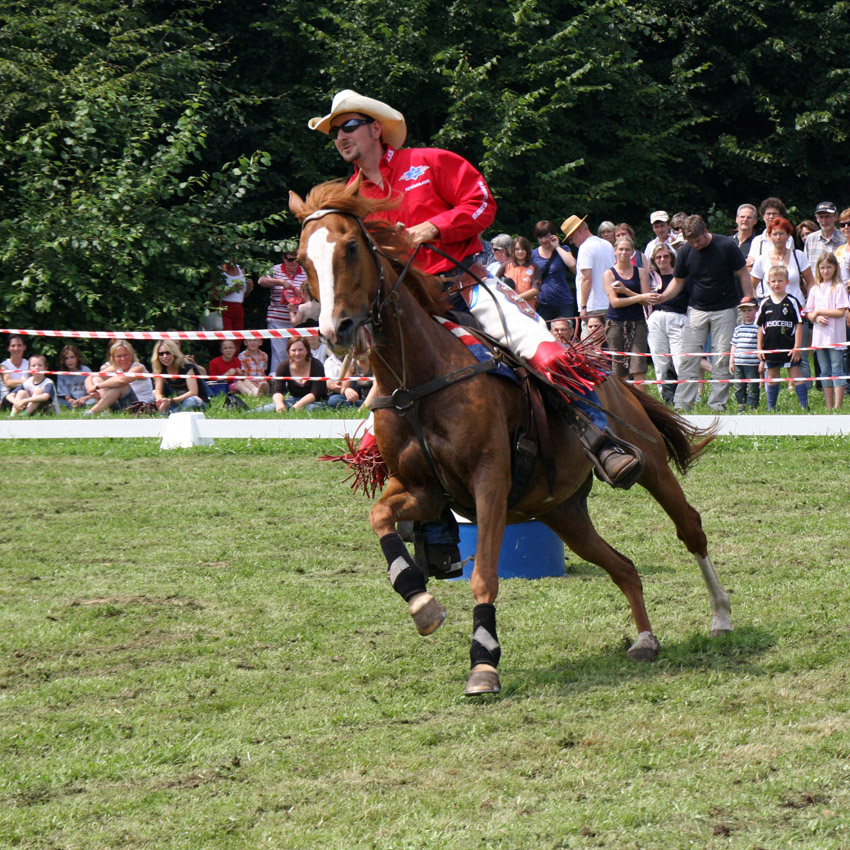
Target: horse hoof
column 718, row 632
column 427, row 613
column 720, row 626
column 645, row 648
column 483, row 679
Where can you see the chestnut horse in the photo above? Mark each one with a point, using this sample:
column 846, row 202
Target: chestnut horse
column 354, row 267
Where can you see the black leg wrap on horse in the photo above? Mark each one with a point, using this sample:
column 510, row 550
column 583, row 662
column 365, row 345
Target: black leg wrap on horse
column 485, row 642
column 405, row 577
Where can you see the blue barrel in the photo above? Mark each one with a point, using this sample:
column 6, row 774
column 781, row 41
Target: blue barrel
column 529, row 550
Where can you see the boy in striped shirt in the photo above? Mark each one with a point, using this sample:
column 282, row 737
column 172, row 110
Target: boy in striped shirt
column 744, row 361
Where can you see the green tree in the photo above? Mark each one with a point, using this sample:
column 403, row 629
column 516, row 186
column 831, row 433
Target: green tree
column 109, row 218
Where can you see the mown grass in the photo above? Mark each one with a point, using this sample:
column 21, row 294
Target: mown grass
column 200, row 650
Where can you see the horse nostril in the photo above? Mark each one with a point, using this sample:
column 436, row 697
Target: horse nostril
column 345, row 329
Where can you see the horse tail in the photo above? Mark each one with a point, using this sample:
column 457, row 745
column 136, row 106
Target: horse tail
column 685, row 442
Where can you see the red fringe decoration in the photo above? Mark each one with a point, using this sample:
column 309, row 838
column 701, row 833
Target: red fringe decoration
column 368, row 469
column 578, row 366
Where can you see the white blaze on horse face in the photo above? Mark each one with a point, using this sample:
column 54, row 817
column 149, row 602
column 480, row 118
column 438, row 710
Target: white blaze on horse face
column 320, row 250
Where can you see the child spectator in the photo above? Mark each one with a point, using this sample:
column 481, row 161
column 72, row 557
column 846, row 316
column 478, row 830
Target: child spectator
column 744, row 359
column 352, row 391
column 255, row 365
column 71, row 389
column 826, row 308
column 176, row 392
column 14, row 370
column 780, row 335
column 224, row 366
column 37, row 391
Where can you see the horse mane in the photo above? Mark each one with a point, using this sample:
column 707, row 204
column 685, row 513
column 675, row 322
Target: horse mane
column 392, row 243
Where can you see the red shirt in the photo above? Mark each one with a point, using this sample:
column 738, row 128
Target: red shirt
column 441, row 187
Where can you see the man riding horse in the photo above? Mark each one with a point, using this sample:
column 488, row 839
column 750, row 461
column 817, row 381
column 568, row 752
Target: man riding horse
column 445, row 202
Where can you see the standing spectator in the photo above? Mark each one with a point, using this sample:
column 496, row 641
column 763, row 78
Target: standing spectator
column 769, row 209
column 230, row 288
column 122, row 390
column 37, row 392
column 777, row 253
column 660, row 222
column 14, row 370
column 557, row 266
column 804, row 228
column 627, row 288
column 676, row 224
column 826, row 308
column 501, row 246
column 522, row 272
column 595, row 257
column 842, row 253
column 606, row 231
column 71, row 389
column 780, row 335
column 563, row 329
column 284, row 281
column 181, row 390
column 625, row 231
column 827, row 238
column 255, row 367
column 744, row 359
column 293, row 377
column 709, row 266
column 745, row 222
column 666, row 322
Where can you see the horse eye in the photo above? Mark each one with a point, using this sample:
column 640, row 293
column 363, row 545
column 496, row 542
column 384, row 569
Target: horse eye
column 351, row 251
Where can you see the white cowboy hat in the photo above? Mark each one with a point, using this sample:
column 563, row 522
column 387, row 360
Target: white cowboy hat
column 392, row 121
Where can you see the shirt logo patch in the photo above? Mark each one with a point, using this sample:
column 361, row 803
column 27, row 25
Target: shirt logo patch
column 414, row 172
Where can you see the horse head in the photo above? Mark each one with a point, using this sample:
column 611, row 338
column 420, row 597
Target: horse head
column 342, row 262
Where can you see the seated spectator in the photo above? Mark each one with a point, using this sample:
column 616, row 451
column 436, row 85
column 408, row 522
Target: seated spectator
column 501, row 245
column 14, row 370
column 255, row 368
column 293, row 379
column 122, row 390
column 627, row 288
column 180, row 390
column 352, row 391
column 226, row 365
column 71, row 389
column 521, row 271
column 37, row 392
column 606, row 231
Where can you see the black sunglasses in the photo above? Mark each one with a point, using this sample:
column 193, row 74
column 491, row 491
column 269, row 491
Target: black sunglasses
column 349, row 126
column 844, row 224
column 290, row 259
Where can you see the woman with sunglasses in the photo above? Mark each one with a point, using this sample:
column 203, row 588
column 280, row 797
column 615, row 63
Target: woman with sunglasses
column 285, row 281
column 180, row 390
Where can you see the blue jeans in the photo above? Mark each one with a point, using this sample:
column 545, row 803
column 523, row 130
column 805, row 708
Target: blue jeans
column 831, row 362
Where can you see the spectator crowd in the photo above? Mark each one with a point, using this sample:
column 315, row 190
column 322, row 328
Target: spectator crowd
column 735, row 309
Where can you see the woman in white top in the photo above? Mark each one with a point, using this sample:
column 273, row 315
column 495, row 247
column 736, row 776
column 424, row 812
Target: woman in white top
column 776, row 252
column 13, row 371
column 230, row 290
column 119, row 391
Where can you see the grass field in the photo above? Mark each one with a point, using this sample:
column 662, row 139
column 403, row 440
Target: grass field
column 200, row 650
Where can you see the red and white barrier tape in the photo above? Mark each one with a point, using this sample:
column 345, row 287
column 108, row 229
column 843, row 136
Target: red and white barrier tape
column 268, row 333
column 207, row 378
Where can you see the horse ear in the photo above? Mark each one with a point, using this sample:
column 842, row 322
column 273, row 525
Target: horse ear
column 297, row 206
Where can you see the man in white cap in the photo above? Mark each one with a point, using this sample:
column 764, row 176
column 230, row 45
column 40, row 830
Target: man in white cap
column 660, row 222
